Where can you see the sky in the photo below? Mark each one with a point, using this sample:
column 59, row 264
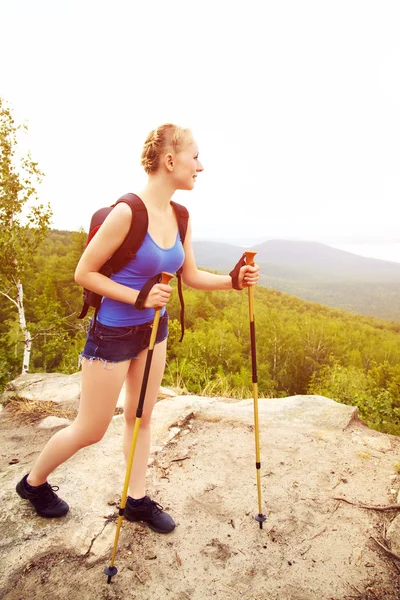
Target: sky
column 295, row 107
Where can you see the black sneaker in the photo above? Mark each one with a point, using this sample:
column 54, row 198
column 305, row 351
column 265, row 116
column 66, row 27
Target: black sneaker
column 46, row 502
column 152, row 513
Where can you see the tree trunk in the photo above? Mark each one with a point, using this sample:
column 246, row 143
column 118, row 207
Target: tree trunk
column 22, row 323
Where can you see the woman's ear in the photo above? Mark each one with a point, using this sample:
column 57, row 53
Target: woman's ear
column 169, row 162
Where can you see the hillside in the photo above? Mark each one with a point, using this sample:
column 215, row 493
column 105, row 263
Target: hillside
column 318, row 273
column 303, row 347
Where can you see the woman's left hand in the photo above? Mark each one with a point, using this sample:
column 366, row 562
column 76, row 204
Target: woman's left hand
column 248, row 275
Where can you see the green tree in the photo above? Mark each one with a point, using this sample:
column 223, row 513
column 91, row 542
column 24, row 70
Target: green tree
column 376, row 392
column 23, row 220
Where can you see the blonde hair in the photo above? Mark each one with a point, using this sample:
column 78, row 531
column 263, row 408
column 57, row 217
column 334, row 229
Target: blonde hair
column 157, row 142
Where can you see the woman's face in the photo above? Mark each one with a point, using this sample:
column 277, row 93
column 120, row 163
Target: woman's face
column 187, row 166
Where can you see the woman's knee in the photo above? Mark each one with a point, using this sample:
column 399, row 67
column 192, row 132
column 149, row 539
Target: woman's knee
column 129, row 416
column 87, row 436
column 146, row 420
column 93, row 438
column 130, row 419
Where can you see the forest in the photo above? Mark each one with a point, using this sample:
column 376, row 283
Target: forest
column 302, row 347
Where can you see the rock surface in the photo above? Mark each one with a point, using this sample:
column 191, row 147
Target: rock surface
column 54, row 387
column 58, row 388
column 311, row 547
column 53, row 423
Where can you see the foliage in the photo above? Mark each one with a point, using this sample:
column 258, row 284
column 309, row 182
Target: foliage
column 23, row 222
column 371, row 298
column 23, row 225
column 376, row 391
column 52, row 301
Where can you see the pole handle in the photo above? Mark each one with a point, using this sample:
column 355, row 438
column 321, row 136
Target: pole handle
column 166, row 277
column 250, row 254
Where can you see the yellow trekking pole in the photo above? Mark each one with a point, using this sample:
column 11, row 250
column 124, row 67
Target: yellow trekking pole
column 250, row 261
column 111, row 570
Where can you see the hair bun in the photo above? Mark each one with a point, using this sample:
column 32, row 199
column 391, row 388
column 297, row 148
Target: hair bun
column 158, row 141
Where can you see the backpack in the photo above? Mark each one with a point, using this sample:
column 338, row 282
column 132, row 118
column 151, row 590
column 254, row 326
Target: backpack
column 129, row 247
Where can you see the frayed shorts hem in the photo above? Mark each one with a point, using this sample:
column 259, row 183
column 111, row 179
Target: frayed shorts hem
column 106, row 363
column 113, row 345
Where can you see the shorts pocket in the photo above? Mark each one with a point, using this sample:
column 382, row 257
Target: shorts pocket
column 105, row 332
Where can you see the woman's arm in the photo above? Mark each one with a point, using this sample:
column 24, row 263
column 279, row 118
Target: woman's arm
column 103, row 245
column 202, row 280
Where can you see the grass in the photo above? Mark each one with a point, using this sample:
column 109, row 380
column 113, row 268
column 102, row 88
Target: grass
column 32, row 411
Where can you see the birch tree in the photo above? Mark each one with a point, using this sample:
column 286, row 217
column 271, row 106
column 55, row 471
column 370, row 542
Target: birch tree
column 23, row 220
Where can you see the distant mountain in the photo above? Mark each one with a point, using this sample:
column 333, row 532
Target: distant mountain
column 316, row 272
column 326, row 262
column 287, row 259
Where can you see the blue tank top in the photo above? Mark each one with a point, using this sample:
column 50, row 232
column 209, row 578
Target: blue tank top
column 150, row 259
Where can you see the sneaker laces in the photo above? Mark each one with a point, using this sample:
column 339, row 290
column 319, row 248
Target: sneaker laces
column 48, row 493
column 155, row 506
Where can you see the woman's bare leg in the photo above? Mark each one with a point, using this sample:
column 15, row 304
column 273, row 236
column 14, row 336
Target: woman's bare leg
column 137, row 485
column 101, row 386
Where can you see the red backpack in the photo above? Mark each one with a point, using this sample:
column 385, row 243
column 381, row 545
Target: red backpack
column 129, row 247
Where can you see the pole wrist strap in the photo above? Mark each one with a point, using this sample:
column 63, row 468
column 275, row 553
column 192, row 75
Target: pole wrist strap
column 144, row 292
column 235, row 272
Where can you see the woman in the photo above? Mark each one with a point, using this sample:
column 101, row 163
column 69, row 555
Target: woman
column 116, row 348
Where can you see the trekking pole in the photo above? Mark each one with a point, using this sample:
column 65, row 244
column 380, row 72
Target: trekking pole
column 250, row 261
column 111, row 570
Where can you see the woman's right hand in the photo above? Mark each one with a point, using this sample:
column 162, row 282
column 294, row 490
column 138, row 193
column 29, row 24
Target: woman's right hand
column 158, row 296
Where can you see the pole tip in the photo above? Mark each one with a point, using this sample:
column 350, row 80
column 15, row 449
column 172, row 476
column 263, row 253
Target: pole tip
column 110, row 571
column 260, row 518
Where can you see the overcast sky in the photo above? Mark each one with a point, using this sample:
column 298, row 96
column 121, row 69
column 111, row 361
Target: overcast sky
column 295, row 105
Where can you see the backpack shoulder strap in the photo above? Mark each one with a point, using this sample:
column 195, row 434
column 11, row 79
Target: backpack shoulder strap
column 136, row 234
column 182, row 215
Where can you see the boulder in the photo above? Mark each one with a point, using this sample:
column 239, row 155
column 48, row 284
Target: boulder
column 57, row 387
column 53, row 422
column 54, row 387
column 393, row 535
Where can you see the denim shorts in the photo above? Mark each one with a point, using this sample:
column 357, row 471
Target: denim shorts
column 117, row 344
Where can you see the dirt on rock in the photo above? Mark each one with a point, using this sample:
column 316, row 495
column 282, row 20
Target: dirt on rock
column 312, row 546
